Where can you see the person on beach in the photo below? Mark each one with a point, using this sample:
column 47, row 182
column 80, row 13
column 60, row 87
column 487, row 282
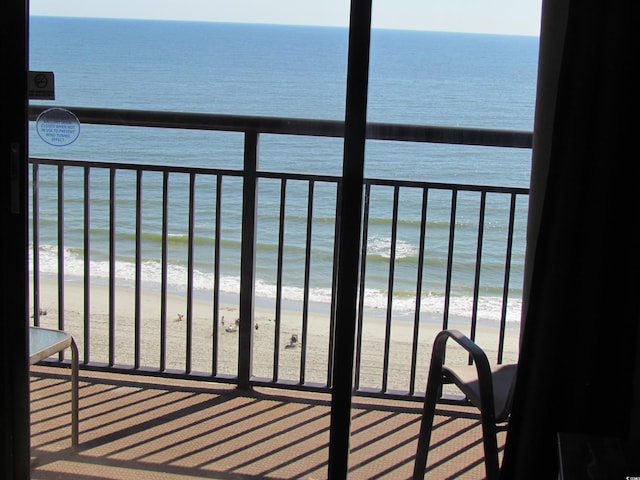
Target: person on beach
column 292, row 341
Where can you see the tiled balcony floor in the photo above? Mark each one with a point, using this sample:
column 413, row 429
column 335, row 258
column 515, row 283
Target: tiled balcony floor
column 140, row 428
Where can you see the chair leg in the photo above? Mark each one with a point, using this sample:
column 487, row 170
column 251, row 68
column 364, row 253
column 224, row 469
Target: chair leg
column 426, row 425
column 434, row 385
column 490, row 442
column 74, row 396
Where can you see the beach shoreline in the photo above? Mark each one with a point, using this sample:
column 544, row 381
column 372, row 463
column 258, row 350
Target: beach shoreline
column 296, row 362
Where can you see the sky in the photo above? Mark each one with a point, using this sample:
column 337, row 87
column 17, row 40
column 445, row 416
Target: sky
column 511, row 17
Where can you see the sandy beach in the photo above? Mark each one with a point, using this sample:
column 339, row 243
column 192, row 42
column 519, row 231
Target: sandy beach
column 289, row 357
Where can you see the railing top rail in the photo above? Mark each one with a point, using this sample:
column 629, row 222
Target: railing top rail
column 134, row 166
column 467, row 187
column 277, row 175
column 294, row 126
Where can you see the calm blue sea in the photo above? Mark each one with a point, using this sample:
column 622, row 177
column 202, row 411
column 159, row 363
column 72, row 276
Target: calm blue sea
column 425, row 78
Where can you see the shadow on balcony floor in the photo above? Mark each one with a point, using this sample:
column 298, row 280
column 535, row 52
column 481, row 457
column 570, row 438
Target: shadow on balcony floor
column 139, row 428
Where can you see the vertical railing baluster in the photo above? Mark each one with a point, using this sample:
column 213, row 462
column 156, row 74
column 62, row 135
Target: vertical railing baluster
column 163, row 275
column 35, row 225
column 363, row 271
column 248, row 259
column 452, row 230
column 138, row 271
column 392, row 266
column 334, row 280
column 61, row 249
column 507, row 271
column 112, row 265
column 307, row 268
column 87, row 265
column 281, row 224
column 416, row 320
column 478, row 268
column 216, row 279
column 189, row 345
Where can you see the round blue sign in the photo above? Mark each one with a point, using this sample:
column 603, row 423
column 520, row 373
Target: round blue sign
column 58, row 127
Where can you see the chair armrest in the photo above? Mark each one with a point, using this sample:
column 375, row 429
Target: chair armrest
column 477, row 354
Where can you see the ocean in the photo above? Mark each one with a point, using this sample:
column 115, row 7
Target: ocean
column 425, row 78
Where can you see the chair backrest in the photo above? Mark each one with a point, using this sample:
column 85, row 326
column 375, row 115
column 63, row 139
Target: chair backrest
column 507, row 376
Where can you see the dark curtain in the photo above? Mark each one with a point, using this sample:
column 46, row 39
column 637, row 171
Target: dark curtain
column 580, row 344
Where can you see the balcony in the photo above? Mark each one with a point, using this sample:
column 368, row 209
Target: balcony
column 172, row 353
column 145, row 427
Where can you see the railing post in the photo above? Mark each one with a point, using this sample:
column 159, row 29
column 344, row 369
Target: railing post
column 247, row 258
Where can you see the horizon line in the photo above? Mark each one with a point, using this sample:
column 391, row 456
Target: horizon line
column 247, row 22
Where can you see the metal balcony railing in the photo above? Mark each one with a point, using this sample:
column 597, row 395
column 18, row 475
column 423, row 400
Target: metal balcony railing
column 120, row 192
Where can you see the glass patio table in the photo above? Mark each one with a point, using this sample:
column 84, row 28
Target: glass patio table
column 43, row 343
